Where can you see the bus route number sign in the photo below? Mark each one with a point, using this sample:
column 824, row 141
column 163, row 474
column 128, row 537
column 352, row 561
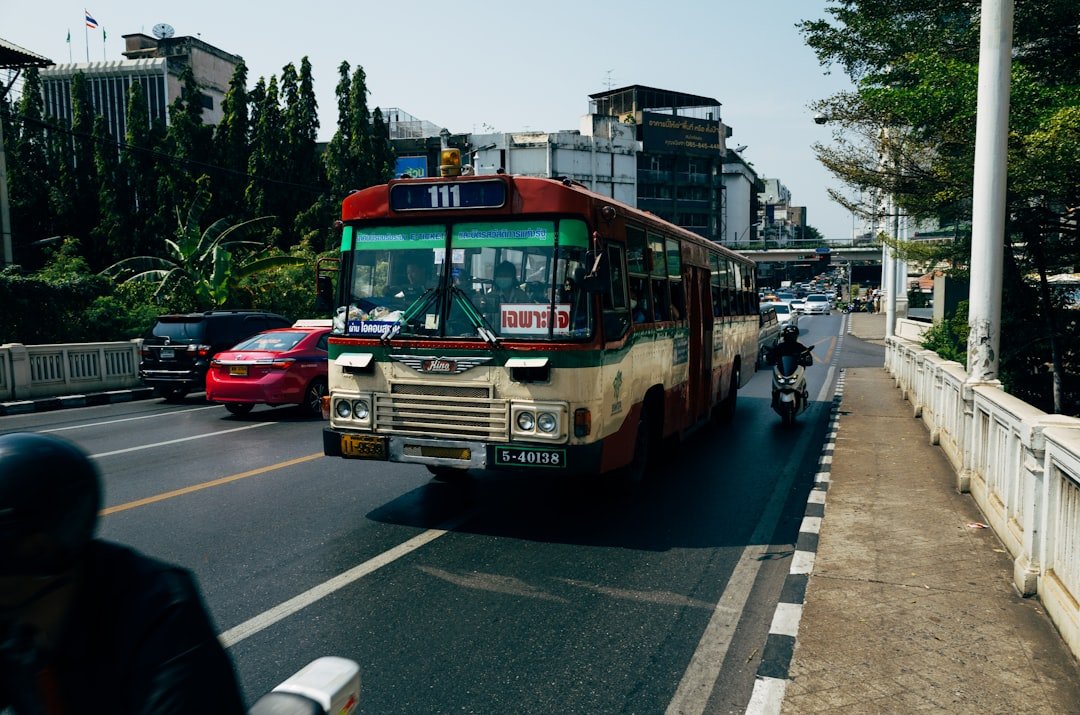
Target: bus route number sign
column 408, row 196
column 529, row 457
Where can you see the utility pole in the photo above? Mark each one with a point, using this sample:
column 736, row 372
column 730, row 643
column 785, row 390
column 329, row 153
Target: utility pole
column 988, row 205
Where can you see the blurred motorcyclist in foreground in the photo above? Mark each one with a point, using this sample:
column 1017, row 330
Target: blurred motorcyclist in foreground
column 88, row 626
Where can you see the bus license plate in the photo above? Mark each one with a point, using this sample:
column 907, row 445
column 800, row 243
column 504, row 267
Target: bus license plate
column 529, row 457
column 363, row 446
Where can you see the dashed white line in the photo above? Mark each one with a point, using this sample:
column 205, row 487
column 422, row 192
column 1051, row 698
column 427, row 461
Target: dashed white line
column 99, row 455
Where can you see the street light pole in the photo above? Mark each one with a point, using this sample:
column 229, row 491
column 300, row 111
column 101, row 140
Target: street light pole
column 988, row 201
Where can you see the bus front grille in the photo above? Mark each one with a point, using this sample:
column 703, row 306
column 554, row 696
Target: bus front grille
column 451, row 411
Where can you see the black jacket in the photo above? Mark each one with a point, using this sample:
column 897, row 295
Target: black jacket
column 139, row 640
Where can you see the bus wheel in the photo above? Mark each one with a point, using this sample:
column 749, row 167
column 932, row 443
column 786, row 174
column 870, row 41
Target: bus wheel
column 725, row 411
column 450, row 475
column 644, row 443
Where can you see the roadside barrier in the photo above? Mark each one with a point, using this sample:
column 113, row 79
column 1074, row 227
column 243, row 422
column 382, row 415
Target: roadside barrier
column 1021, row 465
column 34, row 371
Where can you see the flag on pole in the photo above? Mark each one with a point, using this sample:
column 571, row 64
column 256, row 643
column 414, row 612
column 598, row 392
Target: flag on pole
column 69, row 37
column 90, row 21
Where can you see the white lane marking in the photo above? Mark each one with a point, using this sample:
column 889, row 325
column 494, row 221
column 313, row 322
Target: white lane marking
column 785, row 621
column 181, row 439
column 696, row 686
column 768, row 696
column 128, row 419
column 824, row 392
column 268, row 618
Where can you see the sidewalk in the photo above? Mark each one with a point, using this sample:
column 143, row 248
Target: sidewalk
column 910, row 605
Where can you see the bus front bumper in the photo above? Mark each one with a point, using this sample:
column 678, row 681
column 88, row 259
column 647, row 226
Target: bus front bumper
column 460, row 454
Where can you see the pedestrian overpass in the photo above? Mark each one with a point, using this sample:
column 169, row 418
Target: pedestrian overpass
column 840, row 254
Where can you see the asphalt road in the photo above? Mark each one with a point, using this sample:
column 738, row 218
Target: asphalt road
column 511, row 593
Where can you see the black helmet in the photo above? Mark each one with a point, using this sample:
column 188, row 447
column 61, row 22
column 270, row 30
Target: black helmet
column 50, row 494
column 790, row 333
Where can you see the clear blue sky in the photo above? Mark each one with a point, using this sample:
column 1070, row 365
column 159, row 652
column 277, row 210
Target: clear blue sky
column 510, row 65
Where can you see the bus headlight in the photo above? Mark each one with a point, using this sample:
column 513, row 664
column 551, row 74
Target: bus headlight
column 547, row 422
column 361, row 410
column 525, row 421
column 343, row 409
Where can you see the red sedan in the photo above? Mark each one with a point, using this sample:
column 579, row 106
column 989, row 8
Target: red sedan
column 285, row 366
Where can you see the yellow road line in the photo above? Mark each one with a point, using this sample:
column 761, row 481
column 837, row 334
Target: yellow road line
column 207, row 485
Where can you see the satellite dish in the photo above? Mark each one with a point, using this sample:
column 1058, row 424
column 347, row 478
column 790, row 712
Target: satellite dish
column 163, row 30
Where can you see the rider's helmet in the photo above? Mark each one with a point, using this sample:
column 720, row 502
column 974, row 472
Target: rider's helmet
column 789, row 333
column 50, row 494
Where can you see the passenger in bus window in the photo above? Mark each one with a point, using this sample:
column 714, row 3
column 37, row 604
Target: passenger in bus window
column 639, row 303
column 505, row 287
column 660, row 303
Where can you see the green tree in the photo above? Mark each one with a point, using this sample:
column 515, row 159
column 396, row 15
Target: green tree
column 907, row 131
column 268, row 153
column 187, row 143
column 110, row 233
column 139, row 164
column 201, row 261
column 29, row 173
column 231, row 144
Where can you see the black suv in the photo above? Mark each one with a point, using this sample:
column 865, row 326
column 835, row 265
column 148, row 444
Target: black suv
column 177, row 352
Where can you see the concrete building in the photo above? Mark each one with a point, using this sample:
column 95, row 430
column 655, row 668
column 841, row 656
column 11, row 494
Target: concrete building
column 741, row 188
column 680, row 165
column 601, row 155
column 154, row 62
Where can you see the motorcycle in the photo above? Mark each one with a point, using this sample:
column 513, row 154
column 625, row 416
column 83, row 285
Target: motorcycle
column 789, row 395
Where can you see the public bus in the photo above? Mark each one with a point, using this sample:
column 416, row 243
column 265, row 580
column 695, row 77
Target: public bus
column 511, row 322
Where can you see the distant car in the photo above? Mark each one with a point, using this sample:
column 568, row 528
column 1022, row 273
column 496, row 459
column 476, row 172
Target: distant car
column 285, row 366
column 177, row 351
column 798, row 305
column 784, row 314
column 785, row 297
column 817, row 304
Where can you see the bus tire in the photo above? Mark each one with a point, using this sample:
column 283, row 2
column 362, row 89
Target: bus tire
column 644, row 445
column 449, row 475
column 725, row 411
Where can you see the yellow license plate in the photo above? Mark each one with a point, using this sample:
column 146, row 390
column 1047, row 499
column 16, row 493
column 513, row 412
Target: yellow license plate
column 238, row 370
column 363, row 446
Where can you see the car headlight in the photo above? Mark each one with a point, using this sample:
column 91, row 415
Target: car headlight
column 547, row 422
column 525, row 421
column 343, row 409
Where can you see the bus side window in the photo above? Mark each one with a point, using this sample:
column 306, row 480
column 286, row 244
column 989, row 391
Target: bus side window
column 661, row 300
column 617, row 314
column 640, row 304
column 678, row 301
column 714, row 283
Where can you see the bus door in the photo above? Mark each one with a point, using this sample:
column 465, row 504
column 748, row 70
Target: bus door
column 700, row 321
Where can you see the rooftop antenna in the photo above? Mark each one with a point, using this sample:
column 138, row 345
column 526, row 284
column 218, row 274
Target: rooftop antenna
column 608, row 84
column 163, row 30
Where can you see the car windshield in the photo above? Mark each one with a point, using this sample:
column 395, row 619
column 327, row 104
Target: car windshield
column 271, row 342
column 817, row 298
column 782, row 308
column 517, row 279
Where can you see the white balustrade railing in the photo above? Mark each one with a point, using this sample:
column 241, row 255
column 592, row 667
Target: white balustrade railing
column 1020, row 464
column 34, row 371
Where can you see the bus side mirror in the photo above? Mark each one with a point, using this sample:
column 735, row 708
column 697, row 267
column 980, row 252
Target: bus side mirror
column 324, row 294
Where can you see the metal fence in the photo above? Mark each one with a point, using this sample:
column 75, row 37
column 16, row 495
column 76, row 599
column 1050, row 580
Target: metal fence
column 33, row 371
column 1020, row 464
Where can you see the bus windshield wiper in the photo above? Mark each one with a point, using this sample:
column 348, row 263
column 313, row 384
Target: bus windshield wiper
column 417, row 307
column 479, row 323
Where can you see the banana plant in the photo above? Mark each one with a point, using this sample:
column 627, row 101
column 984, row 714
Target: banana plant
column 202, row 259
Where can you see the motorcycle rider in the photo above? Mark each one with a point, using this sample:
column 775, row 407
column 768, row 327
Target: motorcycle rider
column 788, row 345
column 86, row 625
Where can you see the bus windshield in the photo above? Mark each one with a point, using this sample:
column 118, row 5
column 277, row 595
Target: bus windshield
column 519, row 280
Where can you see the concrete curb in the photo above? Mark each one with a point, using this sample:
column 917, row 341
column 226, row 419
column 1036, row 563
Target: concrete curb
column 48, row 404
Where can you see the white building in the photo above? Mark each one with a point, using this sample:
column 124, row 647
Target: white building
column 601, row 155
